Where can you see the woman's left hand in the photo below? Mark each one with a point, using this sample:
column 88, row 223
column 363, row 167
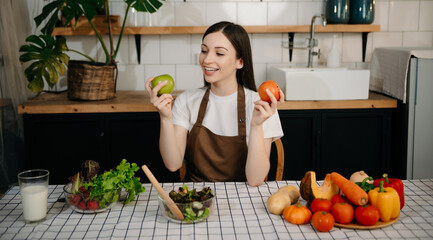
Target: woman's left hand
column 263, row 110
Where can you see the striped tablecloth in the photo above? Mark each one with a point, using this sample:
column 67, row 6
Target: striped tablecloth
column 240, row 213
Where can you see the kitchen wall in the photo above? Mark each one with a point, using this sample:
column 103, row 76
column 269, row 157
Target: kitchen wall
column 402, row 23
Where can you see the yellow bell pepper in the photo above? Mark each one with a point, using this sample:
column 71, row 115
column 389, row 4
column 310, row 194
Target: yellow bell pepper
column 386, row 200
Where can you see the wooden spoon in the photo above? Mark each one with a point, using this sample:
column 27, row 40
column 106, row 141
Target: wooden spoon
column 170, row 203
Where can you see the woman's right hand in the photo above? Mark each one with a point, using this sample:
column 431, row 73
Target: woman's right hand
column 161, row 103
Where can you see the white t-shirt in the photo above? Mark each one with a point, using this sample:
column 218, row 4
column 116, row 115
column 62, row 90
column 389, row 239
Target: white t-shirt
column 221, row 113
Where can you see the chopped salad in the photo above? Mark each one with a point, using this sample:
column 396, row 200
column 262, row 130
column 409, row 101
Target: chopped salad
column 195, row 206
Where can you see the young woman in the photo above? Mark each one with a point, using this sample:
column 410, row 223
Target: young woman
column 223, row 130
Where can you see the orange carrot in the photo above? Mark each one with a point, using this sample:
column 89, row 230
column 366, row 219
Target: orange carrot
column 352, row 191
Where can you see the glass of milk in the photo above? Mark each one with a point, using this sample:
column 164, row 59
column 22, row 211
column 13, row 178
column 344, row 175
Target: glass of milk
column 34, row 194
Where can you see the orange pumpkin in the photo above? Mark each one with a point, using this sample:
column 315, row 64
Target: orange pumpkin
column 297, row 214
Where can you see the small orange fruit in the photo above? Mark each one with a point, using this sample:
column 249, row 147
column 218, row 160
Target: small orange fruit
column 272, row 87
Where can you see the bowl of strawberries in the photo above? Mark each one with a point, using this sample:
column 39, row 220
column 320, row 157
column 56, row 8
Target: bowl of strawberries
column 83, row 201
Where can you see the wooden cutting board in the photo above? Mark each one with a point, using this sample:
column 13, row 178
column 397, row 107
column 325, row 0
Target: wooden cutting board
column 379, row 224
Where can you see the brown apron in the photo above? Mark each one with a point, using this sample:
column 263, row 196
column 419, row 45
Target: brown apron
column 214, row 158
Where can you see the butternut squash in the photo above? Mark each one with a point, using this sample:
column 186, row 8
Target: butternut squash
column 285, row 196
column 310, row 190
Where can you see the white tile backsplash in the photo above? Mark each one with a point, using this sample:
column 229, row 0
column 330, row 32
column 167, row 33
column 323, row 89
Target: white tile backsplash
column 252, row 13
column 132, row 45
column 84, row 44
column 175, row 49
column 266, row 48
column 403, row 16
column 402, row 23
column 165, row 16
column 220, row 11
column 188, row 76
column 306, row 10
column 123, row 53
column 150, row 50
column 387, row 39
column 190, row 14
column 426, row 16
column 381, row 14
column 195, row 47
column 260, row 73
column 417, row 39
column 131, row 77
column 282, row 13
column 352, row 47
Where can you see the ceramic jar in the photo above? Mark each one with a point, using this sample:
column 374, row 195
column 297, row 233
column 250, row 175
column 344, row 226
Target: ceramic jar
column 361, row 11
column 337, row 11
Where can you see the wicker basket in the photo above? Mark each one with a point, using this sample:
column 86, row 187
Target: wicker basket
column 91, row 81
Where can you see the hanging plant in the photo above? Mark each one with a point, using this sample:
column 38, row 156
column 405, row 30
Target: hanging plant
column 47, row 54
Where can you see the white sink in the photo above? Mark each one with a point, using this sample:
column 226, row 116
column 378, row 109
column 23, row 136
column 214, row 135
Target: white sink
column 322, row 83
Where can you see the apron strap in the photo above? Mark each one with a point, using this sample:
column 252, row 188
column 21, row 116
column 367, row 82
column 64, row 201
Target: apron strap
column 242, row 129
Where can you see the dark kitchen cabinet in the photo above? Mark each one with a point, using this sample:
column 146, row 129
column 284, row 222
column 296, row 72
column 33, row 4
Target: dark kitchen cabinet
column 343, row 141
column 300, row 135
column 135, row 137
column 324, row 141
column 61, row 142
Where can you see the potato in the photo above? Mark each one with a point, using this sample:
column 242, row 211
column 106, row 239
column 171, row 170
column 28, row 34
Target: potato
column 285, row 196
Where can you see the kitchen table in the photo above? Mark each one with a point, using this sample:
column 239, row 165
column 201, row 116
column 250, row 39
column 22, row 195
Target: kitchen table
column 240, row 213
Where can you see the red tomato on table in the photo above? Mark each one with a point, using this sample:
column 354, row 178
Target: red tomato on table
column 323, row 221
column 367, row 215
column 342, row 212
column 337, row 198
column 272, row 87
column 320, row 204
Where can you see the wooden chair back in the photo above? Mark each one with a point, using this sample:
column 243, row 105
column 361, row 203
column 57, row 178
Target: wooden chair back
column 280, row 163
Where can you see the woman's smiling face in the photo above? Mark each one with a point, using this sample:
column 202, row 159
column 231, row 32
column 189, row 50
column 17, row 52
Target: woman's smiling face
column 218, row 59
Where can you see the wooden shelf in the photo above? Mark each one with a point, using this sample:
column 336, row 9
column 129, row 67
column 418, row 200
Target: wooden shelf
column 291, row 29
column 68, row 31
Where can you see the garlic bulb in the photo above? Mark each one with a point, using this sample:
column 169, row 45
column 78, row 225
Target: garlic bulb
column 359, row 177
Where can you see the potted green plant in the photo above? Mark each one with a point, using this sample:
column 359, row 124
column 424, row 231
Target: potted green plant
column 46, row 54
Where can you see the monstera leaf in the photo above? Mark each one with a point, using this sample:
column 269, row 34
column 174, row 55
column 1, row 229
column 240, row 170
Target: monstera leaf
column 70, row 9
column 48, row 60
column 144, row 5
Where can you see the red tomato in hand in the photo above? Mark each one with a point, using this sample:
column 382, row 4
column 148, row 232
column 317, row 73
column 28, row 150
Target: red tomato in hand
column 272, row 87
column 320, row 204
column 337, row 198
column 367, row 215
column 323, row 221
column 342, row 212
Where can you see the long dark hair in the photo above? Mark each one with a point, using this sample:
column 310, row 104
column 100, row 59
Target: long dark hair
column 240, row 40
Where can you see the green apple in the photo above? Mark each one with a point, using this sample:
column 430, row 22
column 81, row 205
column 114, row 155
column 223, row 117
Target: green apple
column 168, row 88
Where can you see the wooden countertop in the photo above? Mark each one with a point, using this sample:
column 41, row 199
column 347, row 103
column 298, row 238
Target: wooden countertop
column 138, row 101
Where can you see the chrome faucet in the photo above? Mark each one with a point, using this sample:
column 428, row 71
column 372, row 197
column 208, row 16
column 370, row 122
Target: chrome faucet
column 312, row 42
